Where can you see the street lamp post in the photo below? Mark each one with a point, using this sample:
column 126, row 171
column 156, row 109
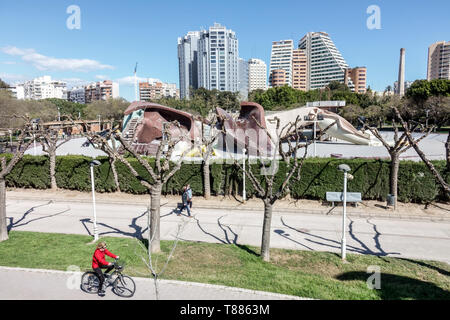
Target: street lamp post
column 345, row 168
column 92, row 165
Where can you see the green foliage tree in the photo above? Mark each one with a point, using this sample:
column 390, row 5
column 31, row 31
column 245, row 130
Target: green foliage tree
column 107, row 109
column 65, row 107
column 202, row 101
column 421, row 90
column 337, row 86
column 351, row 113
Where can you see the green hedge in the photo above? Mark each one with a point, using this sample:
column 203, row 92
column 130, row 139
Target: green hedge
column 318, row 175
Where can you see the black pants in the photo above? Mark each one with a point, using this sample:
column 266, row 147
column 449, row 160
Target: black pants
column 101, row 276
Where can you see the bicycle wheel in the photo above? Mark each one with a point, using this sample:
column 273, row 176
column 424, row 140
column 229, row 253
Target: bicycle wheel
column 124, row 286
column 90, row 282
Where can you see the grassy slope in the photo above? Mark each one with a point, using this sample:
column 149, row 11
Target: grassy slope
column 302, row 273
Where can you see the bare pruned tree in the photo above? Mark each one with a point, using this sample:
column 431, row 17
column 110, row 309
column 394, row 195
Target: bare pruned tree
column 148, row 258
column 415, row 145
column 25, row 139
column 269, row 191
column 162, row 171
column 51, row 141
column 395, row 149
column 109, row 149
column 208, row 141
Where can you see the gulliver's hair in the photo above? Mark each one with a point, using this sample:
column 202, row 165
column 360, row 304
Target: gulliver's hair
column 101, row 244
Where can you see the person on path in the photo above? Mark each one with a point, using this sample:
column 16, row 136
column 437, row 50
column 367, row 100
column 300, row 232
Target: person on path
column 184, row 199
column 189, row 192
column 99, row 262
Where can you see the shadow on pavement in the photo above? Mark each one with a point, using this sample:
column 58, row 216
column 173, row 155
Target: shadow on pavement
column 138, row 231
column 21, row 222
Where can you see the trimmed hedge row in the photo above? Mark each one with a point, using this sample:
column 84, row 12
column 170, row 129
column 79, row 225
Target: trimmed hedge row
column 318, row 175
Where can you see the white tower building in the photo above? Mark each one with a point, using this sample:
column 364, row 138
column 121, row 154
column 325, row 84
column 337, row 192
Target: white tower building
column 218, row 59
column 281, row 58
column 257, row 75
column 44, row 88
column 324, row 62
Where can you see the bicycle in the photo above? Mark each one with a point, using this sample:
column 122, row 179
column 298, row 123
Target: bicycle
column 123, row 285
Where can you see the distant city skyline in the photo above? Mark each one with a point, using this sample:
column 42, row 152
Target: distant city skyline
column 114, row 36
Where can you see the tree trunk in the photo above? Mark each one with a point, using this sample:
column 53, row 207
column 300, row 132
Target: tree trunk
column 155, row 199
column 206, row 184
column 447, row 151
column 395, row 163
column 265, row 244
column 112, row 163
column 52, row 156
column 3, row 226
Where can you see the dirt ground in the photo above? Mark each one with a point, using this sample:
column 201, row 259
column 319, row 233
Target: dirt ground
column 439, row 211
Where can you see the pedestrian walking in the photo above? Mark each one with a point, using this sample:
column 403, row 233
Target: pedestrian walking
column 184, row 199
column 189, row 192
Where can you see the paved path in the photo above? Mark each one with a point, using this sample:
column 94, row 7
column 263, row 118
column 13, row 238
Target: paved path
column 421, row 239
column 34, row 284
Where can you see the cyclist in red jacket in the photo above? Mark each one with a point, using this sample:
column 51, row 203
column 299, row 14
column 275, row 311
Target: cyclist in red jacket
column 99, row 262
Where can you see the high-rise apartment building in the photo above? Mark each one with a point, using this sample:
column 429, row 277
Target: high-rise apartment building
column 355, row 79
column 439, row 61
column 152, row 90
column 218, row 54
column 188, row 62
column 324, row 62
column 77, row 94
column 243, row 78
column 101, row 90
column 43, row 88
column 17, row 91
column 257, row 75
column 278, row 78
column 299, row 69
column 281, row 58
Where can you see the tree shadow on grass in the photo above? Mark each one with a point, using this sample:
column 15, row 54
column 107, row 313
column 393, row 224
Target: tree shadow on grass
column 337, row 244
column 228, row 233
column 395, row 287
column 426, row 265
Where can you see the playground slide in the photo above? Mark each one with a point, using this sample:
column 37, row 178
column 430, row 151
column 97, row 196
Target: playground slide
column 342, row 129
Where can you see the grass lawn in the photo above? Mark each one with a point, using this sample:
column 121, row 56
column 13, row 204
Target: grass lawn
column 319, row 275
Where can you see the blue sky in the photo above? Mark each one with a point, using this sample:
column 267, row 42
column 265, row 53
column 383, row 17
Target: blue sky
column 114, row 35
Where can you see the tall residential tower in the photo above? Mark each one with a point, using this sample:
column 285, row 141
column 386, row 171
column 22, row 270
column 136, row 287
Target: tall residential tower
column 257, row 75
column 439, row 61
column 218, row 53
column 187, row 62
column 323, row 60
column 299, row 69
column 281, row 59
